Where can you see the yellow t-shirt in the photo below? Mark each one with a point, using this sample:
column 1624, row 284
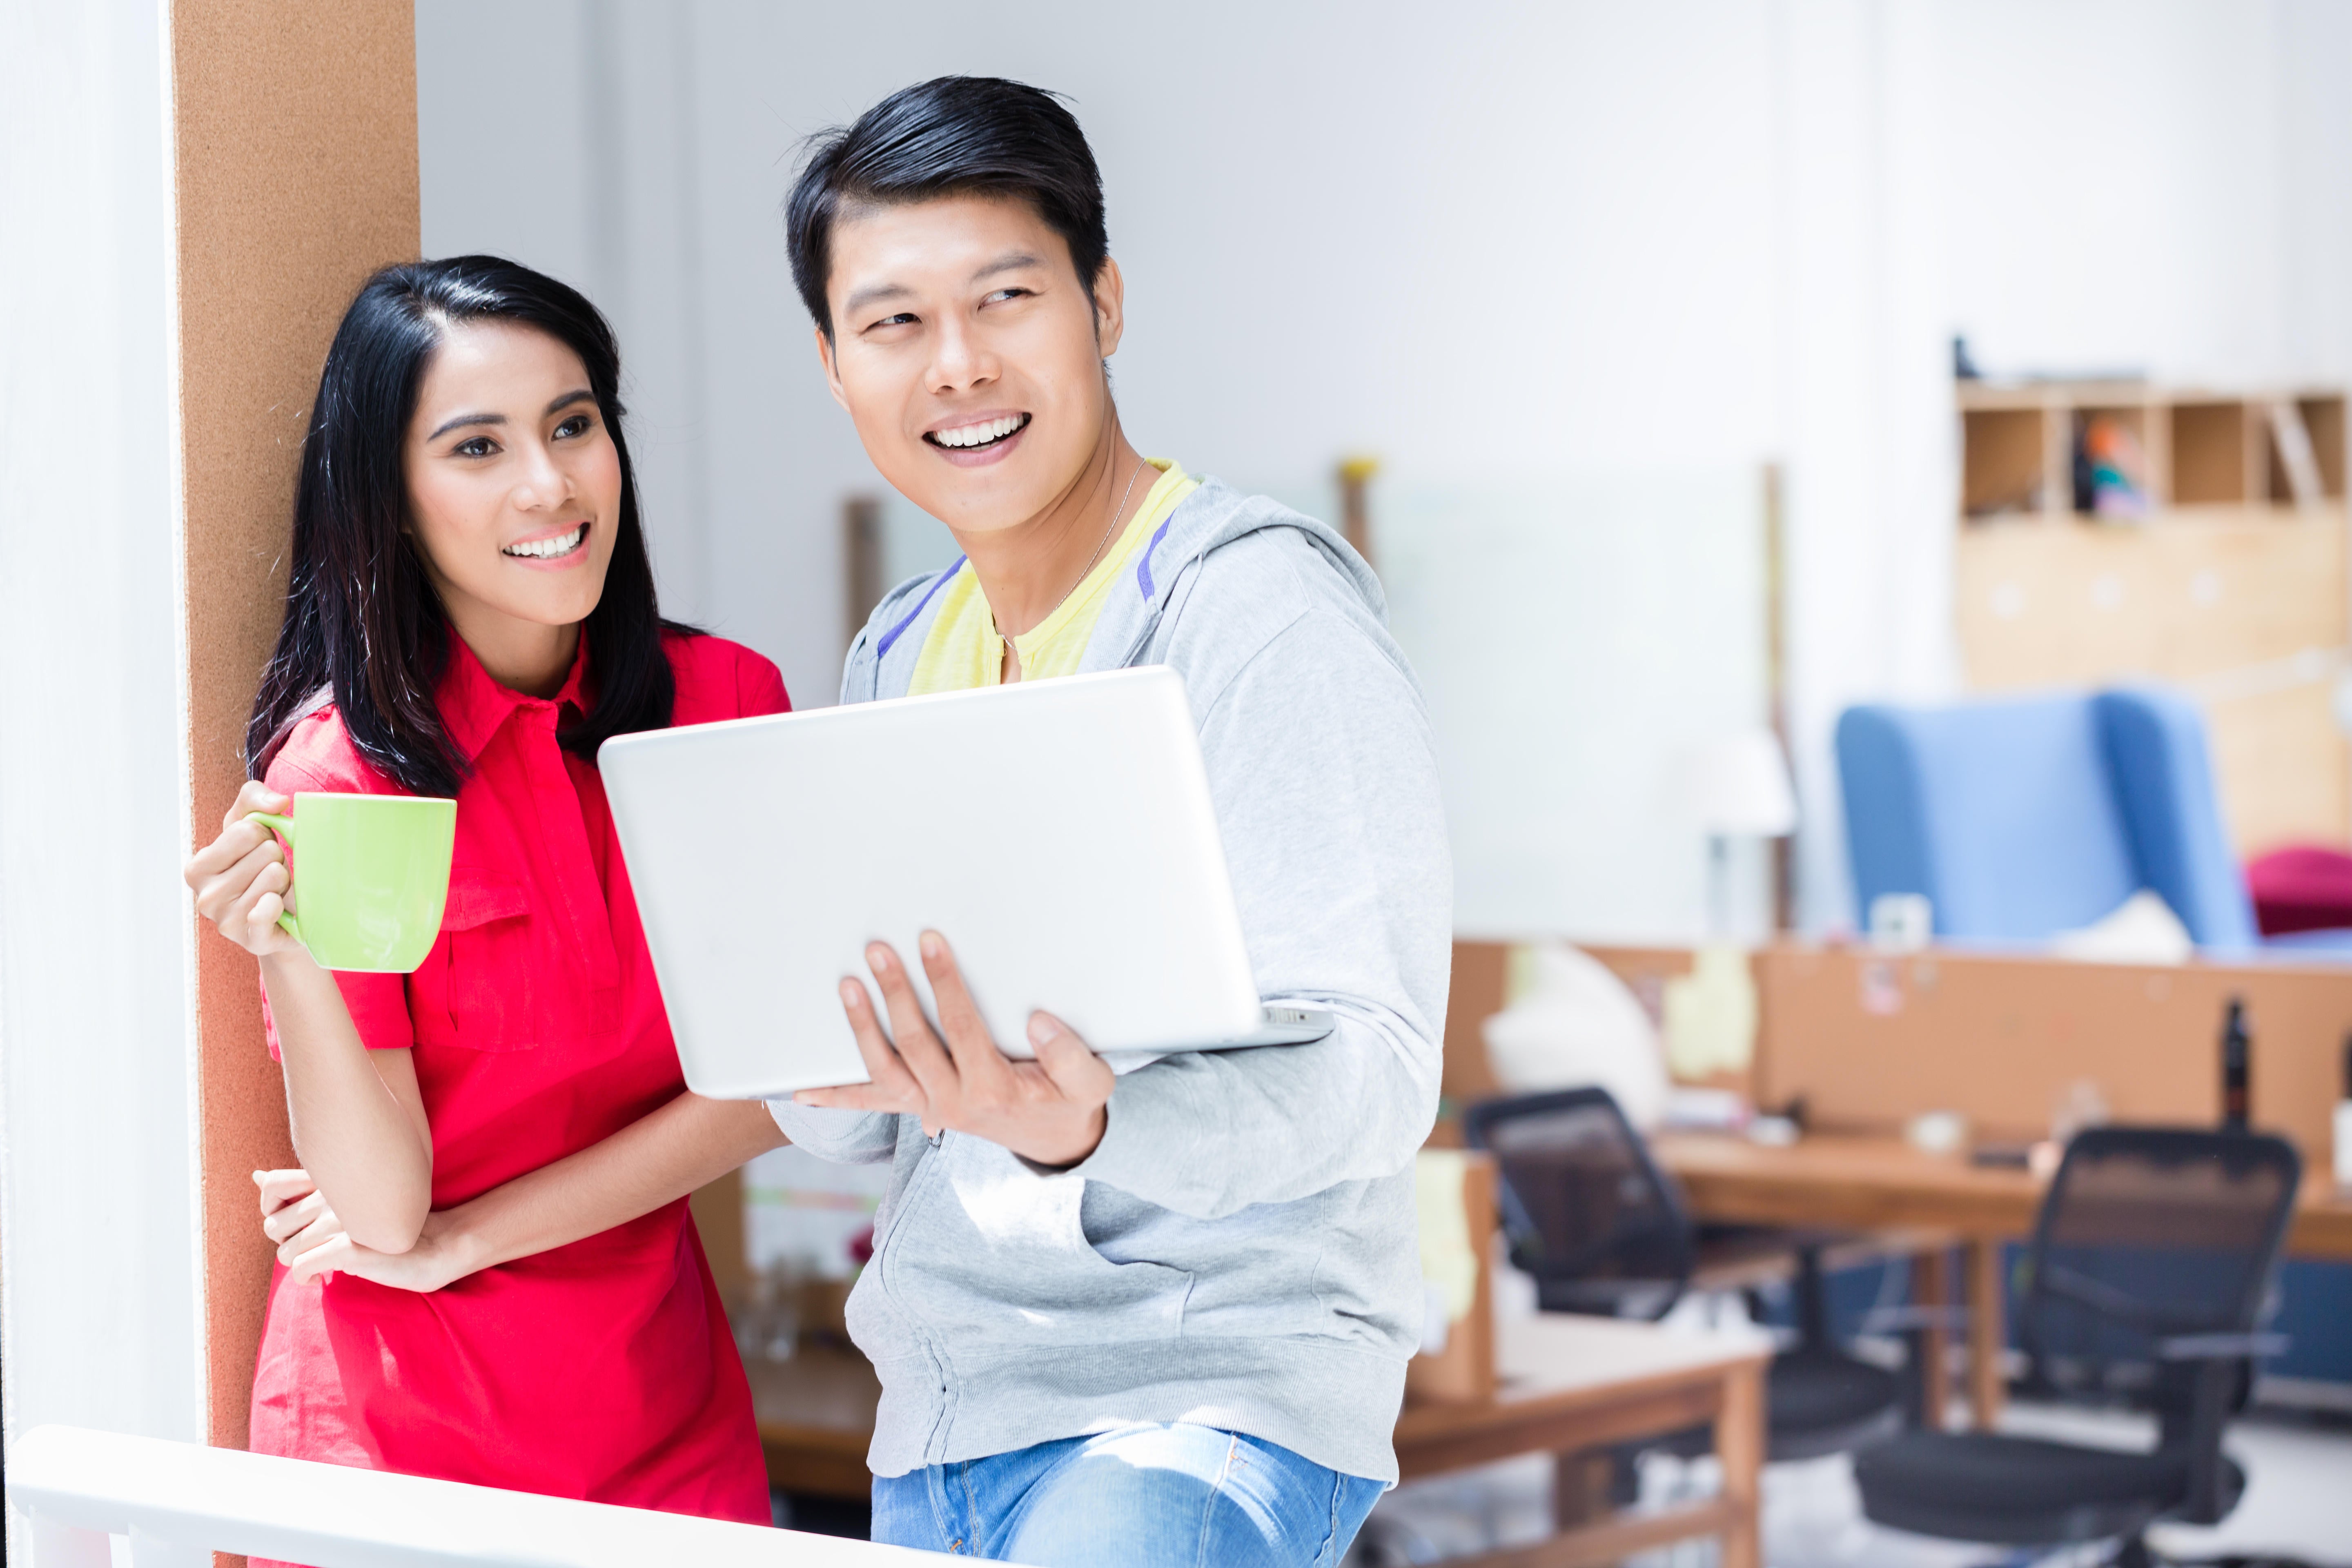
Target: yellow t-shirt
column 963, row 651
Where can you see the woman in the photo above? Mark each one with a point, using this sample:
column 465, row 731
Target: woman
column 495, row 1278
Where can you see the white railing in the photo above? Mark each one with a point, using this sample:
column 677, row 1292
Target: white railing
column 179, row 1502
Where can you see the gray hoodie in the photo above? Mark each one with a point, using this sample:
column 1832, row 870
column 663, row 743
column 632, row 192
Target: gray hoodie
column 1240, row 1249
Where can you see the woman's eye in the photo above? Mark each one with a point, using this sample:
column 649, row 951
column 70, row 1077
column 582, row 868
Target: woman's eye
column 476, row 446
column 575, row 426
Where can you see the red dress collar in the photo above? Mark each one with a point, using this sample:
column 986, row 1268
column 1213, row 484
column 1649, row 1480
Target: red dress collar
column 474, row 705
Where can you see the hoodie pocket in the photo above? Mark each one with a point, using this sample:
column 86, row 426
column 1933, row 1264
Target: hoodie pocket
column 993, row 1254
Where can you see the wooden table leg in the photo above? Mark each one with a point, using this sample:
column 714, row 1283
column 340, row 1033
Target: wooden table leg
column 1931, row 1292
column 1740, row 1448
column 1988, row 1331
column 1581, row 1486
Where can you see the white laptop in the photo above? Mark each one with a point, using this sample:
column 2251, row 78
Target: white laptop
column 1059, row 834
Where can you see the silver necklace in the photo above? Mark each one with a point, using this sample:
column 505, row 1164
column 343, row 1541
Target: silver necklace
column 1101, row 545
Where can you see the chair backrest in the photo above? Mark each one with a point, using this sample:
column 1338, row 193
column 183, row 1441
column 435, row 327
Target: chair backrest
column 2024, row 817
column 2148, row 1237
column 2172, row 812
column 1586, row 1211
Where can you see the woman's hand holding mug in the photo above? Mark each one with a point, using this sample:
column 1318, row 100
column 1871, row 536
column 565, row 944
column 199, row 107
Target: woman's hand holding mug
column 241, row 879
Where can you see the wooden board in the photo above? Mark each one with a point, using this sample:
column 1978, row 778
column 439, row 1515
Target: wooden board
column 294, row 161
column 2210, row 599
column 1869, row 1041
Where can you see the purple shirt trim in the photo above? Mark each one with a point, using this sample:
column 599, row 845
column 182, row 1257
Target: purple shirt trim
column 882, row 648
column 1143, row 567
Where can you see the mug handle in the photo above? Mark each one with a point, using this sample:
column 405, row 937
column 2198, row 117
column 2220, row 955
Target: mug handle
column 285, row 827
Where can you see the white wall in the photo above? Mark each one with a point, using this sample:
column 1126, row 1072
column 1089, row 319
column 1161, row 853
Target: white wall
column 97, row 1204
column 1491, row 243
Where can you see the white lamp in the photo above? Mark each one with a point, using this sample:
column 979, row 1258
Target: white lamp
column 1736, row 785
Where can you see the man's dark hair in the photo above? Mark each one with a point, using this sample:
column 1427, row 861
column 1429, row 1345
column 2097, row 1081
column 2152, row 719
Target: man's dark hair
column 953, row 135
column 364, row 626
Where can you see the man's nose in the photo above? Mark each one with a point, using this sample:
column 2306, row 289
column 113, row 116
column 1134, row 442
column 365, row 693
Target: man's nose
column 960, row 360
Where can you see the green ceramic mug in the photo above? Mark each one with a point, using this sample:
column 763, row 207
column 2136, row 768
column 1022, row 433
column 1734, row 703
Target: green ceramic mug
column 372, row 874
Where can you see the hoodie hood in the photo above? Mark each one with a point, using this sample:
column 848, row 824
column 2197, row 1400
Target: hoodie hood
column 1152, row 591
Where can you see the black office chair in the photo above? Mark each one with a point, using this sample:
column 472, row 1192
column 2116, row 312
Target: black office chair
column 2147, row 1277
column 1603, row 1231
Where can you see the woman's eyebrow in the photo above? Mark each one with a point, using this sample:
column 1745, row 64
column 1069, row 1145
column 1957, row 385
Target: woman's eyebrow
column 448, row 425
column 568, row 398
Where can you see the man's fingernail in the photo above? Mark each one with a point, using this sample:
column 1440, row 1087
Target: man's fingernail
column 850, row 992
column 878, row 956
column 1041, row 1028
column 932, row 945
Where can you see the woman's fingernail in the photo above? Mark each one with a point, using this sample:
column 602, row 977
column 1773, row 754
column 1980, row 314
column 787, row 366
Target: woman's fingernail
column 879, row 957
column 932, row 945
column 1041, row 1028
column 851, row 993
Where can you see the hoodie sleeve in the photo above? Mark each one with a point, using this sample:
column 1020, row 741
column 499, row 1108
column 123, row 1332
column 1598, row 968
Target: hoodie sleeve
column 1323, row 770
column 844, row 1137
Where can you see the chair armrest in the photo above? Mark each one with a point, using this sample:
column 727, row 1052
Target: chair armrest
column 1897, row 1320
column 2221, row 1347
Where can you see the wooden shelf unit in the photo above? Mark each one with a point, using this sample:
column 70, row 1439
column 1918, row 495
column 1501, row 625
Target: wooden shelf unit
column 2226, row 587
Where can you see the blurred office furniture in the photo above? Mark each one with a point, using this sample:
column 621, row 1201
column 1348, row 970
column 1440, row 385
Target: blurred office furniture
column 1566, row 1385
column 1520, row 1383
column 2146, row 1281
column 1355, row 476
column 1603, row 1232
column 2226, row 576
column 2020, row 818
column 1865, row 1041
column 1735, row 785
column 2304, row 887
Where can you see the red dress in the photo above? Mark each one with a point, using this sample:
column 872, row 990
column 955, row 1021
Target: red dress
column 602, row 1370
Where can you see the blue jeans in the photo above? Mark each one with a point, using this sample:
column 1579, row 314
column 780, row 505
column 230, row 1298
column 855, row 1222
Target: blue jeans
column 1176, row 1496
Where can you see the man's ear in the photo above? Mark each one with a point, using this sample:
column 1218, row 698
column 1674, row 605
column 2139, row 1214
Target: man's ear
column 1110, row 307
column 832, row 370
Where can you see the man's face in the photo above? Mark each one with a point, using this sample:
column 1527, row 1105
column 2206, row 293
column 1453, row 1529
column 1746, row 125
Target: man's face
column 968, row 354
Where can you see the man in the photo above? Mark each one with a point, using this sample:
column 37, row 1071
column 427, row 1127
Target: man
column 1162, row 1317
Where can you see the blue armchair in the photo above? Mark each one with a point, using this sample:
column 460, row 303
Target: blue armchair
column 2023, row 817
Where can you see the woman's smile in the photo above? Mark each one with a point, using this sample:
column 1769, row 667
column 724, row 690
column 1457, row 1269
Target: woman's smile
column 561, row 546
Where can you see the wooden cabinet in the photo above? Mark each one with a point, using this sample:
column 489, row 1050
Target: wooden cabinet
column 2229, row 579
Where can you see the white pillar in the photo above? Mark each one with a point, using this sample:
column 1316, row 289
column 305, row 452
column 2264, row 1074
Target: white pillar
column 101, row 1318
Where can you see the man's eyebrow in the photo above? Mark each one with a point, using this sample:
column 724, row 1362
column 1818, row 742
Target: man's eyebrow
column 1012, row 263
column 870, row 294
column 450, row 425
column 877, row 292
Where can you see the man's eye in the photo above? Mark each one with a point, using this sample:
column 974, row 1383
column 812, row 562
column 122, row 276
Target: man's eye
column 1008, row 294
column 476, row 446
column 575, row 426
column 902, row 318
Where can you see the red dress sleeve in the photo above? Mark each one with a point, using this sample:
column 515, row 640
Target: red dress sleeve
column 319, row 757
column 758, row 685
column 718, row 679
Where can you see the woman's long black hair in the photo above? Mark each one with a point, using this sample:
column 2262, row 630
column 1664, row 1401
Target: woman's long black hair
column 362, row 622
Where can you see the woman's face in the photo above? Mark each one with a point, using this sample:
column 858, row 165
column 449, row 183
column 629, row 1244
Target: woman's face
column 514, row 484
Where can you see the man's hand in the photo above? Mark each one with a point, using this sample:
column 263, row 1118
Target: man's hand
column 1050, row 1110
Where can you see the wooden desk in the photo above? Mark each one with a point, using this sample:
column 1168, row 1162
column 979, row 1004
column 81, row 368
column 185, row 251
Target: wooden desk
column 816, row 1416
column 1872, row 1183
column 1569, row 1384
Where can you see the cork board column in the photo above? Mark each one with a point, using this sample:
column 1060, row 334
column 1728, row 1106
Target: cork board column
column 294, row 154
